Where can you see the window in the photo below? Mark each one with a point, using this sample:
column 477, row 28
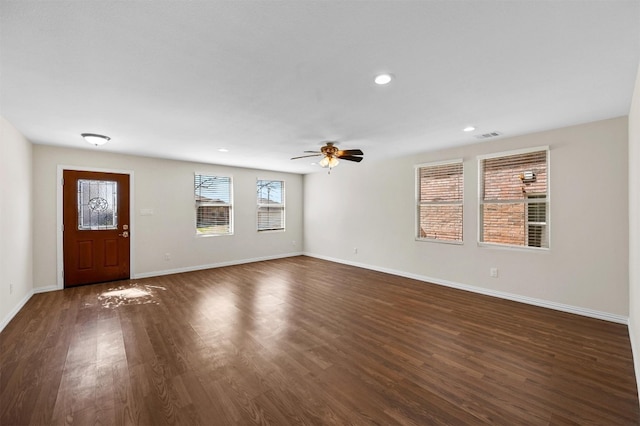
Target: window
column 536, row 221
column 514, row 200
column 439, row 195
column 213, row 197
column 270, row 205
column 97, row 204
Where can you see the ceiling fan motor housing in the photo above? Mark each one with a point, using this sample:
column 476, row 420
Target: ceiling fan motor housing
column 329, row 150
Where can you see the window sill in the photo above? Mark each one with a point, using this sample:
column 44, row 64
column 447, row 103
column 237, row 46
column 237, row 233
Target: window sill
column 434, row 240
column 212, row 235
column 513, row 248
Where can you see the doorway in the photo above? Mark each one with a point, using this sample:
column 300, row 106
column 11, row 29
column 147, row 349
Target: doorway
column 96, row 227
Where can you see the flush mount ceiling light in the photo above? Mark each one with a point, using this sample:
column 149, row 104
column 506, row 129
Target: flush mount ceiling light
column 223, row 150
column 468, row 129
column 95, row 139
column 383, row 79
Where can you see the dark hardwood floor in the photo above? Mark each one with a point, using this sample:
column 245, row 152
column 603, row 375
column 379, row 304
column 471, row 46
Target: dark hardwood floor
column 305, row 341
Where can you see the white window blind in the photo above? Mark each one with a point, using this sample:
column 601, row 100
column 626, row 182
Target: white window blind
column 213, row 196
column 514, row 203
column 270, row 216
column 440, row 201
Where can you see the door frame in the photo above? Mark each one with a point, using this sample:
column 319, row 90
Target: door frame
column 59, row 220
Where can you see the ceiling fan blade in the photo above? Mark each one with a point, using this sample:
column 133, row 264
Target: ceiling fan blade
column 305, row 156
column 350, row 152
column 316, row 152
column 351, row 158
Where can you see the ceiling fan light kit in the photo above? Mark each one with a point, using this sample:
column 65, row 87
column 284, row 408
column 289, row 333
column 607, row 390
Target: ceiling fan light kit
column 329, row 161
column 332, row 155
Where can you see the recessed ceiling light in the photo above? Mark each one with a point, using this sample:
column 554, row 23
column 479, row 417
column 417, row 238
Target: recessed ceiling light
column 95, row 139
column 382, row 79
column 468, row 129
column 223, row 150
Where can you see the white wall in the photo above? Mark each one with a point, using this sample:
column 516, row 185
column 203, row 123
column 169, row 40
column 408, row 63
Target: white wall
column 166, row 187
column 371, row 207
column 16, row 207
column 634, row 226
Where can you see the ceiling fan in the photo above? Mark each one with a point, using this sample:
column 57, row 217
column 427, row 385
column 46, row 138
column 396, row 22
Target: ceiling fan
column 331, row 155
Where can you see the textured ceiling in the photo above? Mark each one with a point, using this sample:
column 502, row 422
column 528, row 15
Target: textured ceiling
column 267, row 80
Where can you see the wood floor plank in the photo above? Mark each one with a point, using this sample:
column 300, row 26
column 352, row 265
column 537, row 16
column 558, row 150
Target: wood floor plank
column 307, row 342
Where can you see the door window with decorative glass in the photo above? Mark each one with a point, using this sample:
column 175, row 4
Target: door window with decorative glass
column 97, row 204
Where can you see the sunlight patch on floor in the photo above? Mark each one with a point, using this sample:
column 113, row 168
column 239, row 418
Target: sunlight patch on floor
column 129, row 295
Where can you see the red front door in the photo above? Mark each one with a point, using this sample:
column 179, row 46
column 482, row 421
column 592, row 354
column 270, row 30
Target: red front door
column 95, row 227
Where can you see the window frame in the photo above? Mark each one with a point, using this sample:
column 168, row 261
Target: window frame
column 540, row 223
column 200, row 204
column 419, row 203
column 481, row 201
column 280, row 206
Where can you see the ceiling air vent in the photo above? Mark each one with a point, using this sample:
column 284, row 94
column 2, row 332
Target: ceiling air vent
column 488, row 135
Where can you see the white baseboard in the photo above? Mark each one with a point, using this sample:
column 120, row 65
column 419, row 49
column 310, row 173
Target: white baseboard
column 7, row 319
column 503, row 295
column 213, row 265
column 45, row 289
column 635, row 352
column 487, row 292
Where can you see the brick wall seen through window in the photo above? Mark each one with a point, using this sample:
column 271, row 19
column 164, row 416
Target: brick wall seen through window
column 514, row 199
column 439, row 209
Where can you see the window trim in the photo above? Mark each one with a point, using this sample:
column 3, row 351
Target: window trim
column 283, row 205
column 417, row 204
column 480, row 202
column 528, row 224
column 229, row 204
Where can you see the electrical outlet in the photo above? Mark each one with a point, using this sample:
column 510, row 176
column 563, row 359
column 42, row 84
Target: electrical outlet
column 10, row 288
column 167, row 256
column 355, row 250
column 293, row 243
column 493, row 272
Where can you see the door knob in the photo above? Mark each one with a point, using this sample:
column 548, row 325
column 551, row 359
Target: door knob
column 124, row 234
